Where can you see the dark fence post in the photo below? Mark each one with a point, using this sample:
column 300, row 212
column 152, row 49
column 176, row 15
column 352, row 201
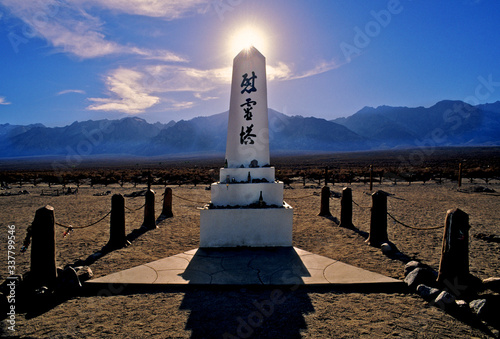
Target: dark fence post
column 149, row 210
column 117, row 237
column 325, row 202
column 378, row 220
column 346, row 208
column 167, row 204
column 371, row 178
column 43, row 247
column 454, row 263
column 460, row 175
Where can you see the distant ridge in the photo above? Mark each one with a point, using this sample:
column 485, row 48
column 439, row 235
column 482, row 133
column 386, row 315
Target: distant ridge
column 447, row 123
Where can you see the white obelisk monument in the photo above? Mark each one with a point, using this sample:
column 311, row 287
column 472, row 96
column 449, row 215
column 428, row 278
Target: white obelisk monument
column 247, row 207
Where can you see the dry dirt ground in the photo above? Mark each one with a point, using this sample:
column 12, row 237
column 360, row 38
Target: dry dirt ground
column 220, row 312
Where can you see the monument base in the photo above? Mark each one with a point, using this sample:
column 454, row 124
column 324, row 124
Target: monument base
column 246, row 227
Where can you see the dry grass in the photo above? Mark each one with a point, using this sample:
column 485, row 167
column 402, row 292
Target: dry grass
column 207, row 312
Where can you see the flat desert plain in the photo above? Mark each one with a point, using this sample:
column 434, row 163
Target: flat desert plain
column 225, row 312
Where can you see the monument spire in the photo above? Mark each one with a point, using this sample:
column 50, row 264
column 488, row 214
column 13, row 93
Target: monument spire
column 248, row 126
column 247, row 207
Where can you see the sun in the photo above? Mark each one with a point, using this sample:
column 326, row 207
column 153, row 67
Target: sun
column 246, row 38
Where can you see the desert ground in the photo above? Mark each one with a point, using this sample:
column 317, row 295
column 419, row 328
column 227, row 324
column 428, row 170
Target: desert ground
column 204, row 312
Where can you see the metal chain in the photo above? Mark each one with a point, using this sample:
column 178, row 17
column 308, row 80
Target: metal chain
column 305, row 196
column 135, row 209
column 413, row 227
column 364, row 207
column 80, row 227
column 197, row 202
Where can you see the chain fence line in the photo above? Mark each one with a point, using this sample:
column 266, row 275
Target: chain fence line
column 303, row 197
column 196, row 202
column 80, row 227
column 400, row 222
column 70, row 227
column 362, row 207
column 134, row 209
column 413, row 227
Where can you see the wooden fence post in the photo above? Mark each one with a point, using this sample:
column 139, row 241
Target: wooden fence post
column 325, row 202
column 454, row 263
column 117, row 237
column 346, row 208
column 460, row 175
column 149, row 210
column 43, row 248
column 167, row 204
column 378, row 220
column 371, row 178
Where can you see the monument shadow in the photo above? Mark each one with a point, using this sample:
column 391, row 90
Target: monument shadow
column 249, row 304
column 244, row 312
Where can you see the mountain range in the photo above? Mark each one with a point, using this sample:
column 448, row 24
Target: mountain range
column 447, row 123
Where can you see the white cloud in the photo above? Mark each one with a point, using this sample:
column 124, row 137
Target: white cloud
column 322, row 67
column 166, row 9
column 174, row 78
column 3, row 102
column 180, row 105
column 135, row 90
column 79, row 91
column 71, row 29
column 279, row 72
column 283, row 72
column 159, row 54
column 127, row 93
column 204, row 98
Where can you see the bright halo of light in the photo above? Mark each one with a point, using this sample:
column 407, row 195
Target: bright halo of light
column 246, row 38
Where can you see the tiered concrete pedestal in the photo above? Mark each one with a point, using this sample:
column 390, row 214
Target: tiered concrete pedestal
column 247, row 210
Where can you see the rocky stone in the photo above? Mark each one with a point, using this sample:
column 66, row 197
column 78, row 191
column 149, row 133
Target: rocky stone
column 68, row 280
column 446, row 301
column 478, row 306
column 386, row 248
column 427, row 292
column 487, row 308
column 411, row 265
column 84, row 273
column 462, row 305
column 492, row 284
column 420, row 275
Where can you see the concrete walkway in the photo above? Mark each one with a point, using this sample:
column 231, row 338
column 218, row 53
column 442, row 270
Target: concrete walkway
column 246, row 266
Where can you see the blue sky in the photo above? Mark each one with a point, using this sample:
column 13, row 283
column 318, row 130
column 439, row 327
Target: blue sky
column 63, row 61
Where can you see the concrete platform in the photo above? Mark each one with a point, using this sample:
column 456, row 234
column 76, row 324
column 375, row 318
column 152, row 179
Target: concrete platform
column 246, row 266
column 256, row 227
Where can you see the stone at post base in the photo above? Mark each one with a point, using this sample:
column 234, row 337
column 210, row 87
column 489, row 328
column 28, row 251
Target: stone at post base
column 249, row 227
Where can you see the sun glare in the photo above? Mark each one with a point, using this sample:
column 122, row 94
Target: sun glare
column 247, row 38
